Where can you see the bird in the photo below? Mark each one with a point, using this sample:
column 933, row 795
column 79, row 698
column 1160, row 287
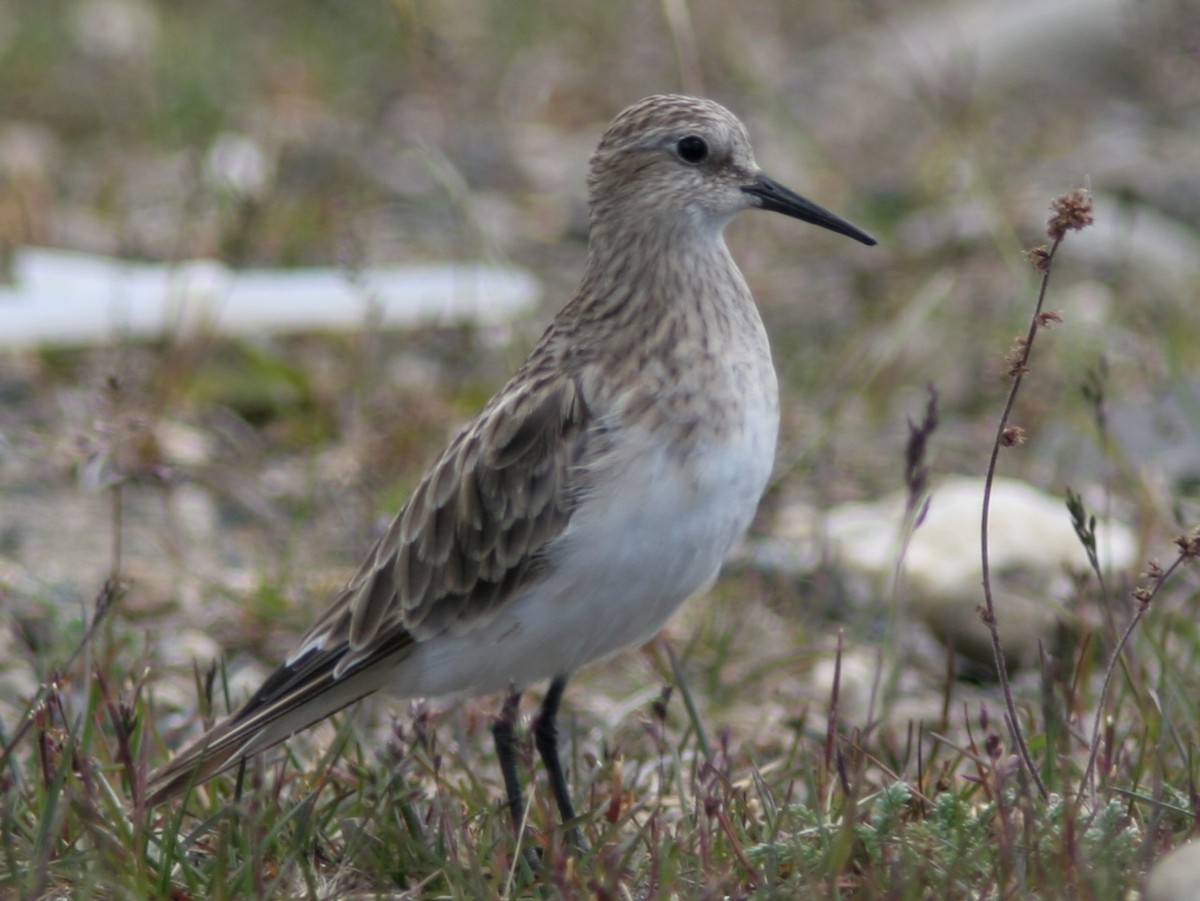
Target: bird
column 601, row 487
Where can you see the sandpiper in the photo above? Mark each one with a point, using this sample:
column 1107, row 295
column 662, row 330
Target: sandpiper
column 598, row 490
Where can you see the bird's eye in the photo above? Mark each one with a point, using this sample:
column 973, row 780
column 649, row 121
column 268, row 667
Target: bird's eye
column 692, row 149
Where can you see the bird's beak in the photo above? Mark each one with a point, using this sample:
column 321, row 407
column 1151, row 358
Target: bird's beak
column 774, row 197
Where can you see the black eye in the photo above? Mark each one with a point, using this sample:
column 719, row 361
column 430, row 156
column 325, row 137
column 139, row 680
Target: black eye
column 692, row 149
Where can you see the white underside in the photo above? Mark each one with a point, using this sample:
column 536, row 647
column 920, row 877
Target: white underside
column 653, row 537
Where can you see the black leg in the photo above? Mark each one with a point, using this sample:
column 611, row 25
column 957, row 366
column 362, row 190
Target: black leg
column 545, row 736
column 504, row 734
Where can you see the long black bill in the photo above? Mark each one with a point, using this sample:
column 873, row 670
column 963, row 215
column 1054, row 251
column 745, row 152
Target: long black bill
column 774, row 197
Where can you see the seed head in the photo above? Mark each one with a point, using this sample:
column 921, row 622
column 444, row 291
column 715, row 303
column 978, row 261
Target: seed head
column 1071, row 212
column 1012, row 436
column 1189, row 544
column 1017, row 354
column 1039, row 257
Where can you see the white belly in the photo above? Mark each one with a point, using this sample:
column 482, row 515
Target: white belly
column 652, row 536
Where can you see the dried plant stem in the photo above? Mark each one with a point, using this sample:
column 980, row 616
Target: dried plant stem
column 989, row 612
column 683, row 35
column 110, row 592
column 916, row 480
column 1144, row 599
column 114, row 573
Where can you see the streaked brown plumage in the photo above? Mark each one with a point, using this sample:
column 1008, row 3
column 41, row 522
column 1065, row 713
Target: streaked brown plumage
column 596, row 491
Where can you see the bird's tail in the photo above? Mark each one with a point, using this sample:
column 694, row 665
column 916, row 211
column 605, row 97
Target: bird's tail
column 295, row 697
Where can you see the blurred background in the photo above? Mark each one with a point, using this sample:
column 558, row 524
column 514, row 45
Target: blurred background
column 235, row 481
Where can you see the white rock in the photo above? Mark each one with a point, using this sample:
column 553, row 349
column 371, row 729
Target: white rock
column 240, row 165
column 1032, row 545
column 855, row 677
column 116, row 29
column 1027, row 528
column 184, row 445
column 1176, row 875
column 184, row 647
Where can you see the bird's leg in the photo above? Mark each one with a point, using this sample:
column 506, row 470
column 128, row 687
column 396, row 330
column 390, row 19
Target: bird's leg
column 545, row 736
column 504, row 734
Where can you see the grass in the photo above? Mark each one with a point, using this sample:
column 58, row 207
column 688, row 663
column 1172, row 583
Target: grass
column 230, row 485
column 907, row 816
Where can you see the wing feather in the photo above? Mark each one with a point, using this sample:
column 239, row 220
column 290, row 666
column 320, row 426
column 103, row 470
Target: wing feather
column 471, row 535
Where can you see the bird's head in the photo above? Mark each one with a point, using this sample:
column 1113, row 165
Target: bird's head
column 672, row 160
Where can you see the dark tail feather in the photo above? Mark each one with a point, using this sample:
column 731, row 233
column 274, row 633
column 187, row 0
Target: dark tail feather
column 294, row 697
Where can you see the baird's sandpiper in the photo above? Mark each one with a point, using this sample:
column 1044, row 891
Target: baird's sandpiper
column 599, row 489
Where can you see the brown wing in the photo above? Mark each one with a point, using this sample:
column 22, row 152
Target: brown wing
column 473, row 528
column 470, row 535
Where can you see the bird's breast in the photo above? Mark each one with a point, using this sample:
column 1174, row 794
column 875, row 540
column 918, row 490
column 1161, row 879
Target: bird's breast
column 675, row 459
column 699, row 395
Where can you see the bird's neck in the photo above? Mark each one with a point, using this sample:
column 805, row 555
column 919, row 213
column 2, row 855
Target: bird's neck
column 664, row 330
column 648, row 268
